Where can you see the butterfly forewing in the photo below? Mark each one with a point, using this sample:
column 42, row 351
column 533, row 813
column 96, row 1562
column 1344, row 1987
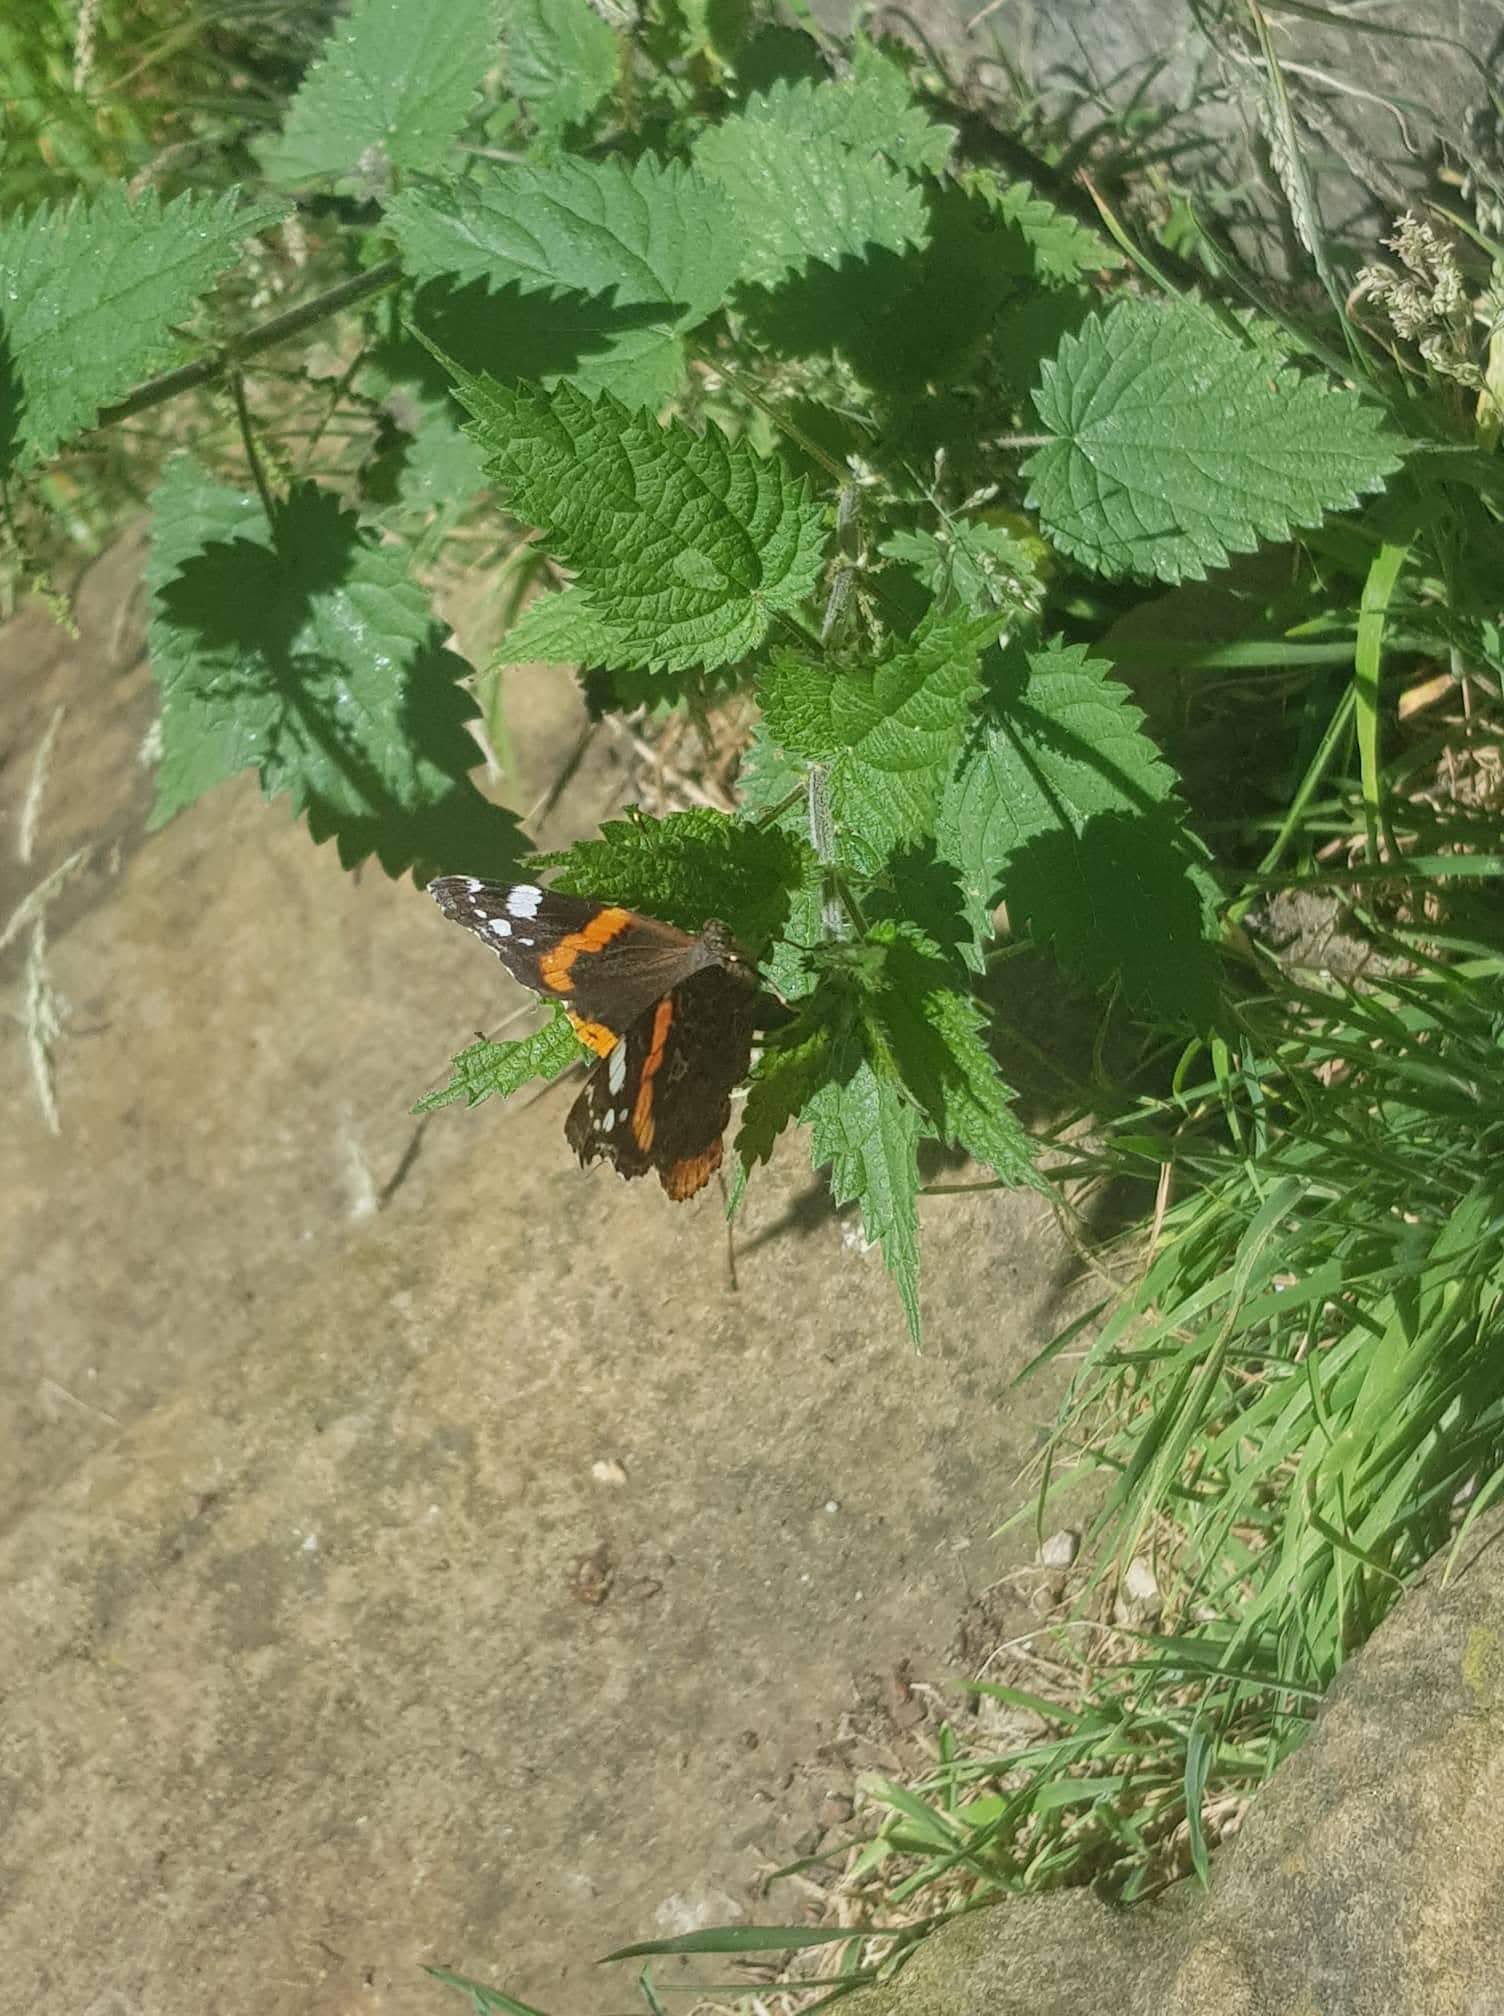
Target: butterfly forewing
column 607, row 964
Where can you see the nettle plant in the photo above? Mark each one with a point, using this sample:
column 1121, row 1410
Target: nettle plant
column 799, row 400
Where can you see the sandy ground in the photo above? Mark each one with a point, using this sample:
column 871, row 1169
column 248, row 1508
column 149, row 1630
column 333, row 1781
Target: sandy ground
column 465, row 1575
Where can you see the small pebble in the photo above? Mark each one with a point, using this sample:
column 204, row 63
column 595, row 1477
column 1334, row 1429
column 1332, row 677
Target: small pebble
column 1060, row 1549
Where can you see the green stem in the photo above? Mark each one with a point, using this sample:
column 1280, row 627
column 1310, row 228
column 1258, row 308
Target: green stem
column 218, row 363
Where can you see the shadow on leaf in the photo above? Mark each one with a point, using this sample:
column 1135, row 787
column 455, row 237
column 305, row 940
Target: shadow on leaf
column 332, row 696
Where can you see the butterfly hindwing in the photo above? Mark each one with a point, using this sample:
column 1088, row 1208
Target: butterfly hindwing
column 662, row 1098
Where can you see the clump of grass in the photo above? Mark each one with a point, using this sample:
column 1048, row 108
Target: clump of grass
column 1305, row 1381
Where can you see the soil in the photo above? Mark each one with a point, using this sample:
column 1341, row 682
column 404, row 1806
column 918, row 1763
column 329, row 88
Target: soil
column 413, row 1550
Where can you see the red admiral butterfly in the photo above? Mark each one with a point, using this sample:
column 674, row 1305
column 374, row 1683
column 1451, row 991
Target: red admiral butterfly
column 670, row 1015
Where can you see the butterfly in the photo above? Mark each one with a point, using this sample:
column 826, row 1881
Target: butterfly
column 671, row 1014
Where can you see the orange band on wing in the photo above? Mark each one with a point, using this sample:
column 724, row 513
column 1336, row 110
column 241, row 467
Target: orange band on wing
column 601, row 1039
column 690, row 1173
column 556, row 967
column 644, row 1126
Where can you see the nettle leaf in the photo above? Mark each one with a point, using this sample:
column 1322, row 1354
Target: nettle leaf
column 799, row 191
column 933, row 1030
column 398, row 76
column 1180, row 445
column 494, row 1070
column 302, row 649
column 890, row 731
column 561, row 61
column 692, row 542
column 862, row 1125
column 1063, row 807
column 89, row 293
column 1059, row 251
column 563, row 628
column 874, row 111
column 688, row 868
column 792, row 1068
column 650, row 249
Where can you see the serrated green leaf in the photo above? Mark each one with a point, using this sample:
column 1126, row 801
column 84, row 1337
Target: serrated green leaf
column 1178, row 445
column 691, row 541
column 396, row 76
column 933, row 1030
column 799, row 192
column 303, row 650
column 564, row 628
column 874, row 111
column 649, row 248
column 88, row 296
column 890, row 732
column 561, row 61
column 868, row 1132
column 790, row 1071
column 1059, row 250
column 494, row 1070
column 1064, row 808
column 687, row 868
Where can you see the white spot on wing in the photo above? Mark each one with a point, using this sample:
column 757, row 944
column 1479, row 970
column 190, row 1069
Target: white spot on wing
column 500, row 927
column 472, row 883
column 608, row 1120
column 616, row 1068
column 523, row 901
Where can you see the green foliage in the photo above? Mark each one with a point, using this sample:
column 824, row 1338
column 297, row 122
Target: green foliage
column 889, row 731
column 863, row 1128
column 745, row 338
column 933, row 1029
column 1063, row 803
column 641, row 252
column 688, row 868
column 1317, row 1337
column 561, row 61
column 1179, row 445
column 88, row 296
column 689, row 544
column 397, row 79
column 887, row 1051
column 1059, row 250
column 795, row 1065
column 804, row 184
column 870, row 110
column 494, row 1070
column 984, row 567
column 303, row 650
column 428, row 463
